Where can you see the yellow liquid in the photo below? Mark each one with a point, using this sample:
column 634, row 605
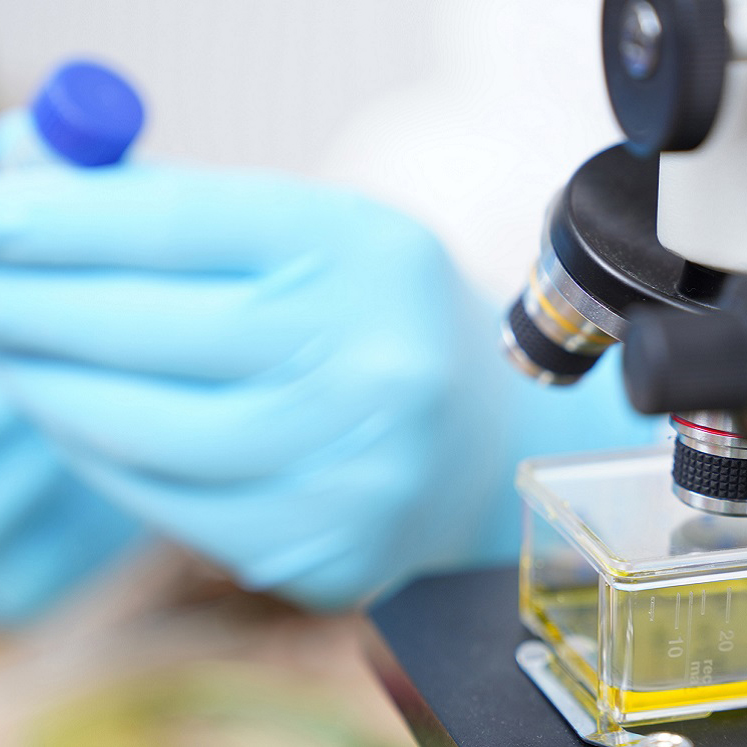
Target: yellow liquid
column 680, row 649
column 632, row 701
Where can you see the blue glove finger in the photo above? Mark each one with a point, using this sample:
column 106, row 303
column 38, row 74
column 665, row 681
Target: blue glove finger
column 166, row 218
column 202, row 327
column 236, row 524
column 195, row 432
column 236, row 326
column 352, row 519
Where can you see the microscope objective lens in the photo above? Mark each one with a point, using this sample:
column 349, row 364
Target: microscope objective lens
column 710, row 462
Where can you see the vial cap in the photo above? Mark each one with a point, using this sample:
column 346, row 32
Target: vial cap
column 88, row 114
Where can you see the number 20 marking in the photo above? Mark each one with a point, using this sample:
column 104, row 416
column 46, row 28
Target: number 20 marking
column 726, row 641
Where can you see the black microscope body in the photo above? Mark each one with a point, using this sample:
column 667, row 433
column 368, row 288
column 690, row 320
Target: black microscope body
column 444, row 647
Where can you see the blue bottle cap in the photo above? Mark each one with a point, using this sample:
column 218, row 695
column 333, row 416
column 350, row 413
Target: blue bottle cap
column 88, row 114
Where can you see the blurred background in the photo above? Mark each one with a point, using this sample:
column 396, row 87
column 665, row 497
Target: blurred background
column 469, row 114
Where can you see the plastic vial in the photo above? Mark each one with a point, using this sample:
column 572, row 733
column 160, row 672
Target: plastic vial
column 642, row 598
column 85, row 114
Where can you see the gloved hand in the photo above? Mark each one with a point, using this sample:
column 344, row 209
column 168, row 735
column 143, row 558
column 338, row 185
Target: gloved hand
column 54, row 532
column 293, row 379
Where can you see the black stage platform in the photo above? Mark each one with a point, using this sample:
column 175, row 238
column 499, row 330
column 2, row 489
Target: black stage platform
column 444, row 648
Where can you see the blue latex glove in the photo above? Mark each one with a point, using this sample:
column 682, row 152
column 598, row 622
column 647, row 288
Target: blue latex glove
column 54, row 532
column 292, row 379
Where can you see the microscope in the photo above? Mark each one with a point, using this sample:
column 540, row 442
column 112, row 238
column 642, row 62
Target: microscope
column 645, row 245
column 633, row 571
column 634, row 565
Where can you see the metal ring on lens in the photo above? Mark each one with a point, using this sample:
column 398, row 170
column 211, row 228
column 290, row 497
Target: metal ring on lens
column 559, row 320
column 586, row 306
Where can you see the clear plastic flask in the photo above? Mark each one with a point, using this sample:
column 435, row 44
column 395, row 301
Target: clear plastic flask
column 642, row 599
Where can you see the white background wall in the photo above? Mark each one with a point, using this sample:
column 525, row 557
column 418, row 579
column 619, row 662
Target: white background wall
column 469, row 113
column 255, row 82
